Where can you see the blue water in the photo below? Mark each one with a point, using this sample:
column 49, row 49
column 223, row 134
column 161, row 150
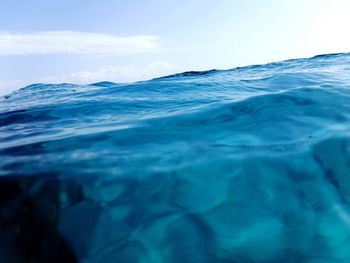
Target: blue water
column 244, row 165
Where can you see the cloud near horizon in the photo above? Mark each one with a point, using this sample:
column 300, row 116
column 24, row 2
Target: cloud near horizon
column 74, row 43
column 118, row 74
column 127, row 73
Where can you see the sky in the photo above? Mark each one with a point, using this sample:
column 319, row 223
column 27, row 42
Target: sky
column 87, row 41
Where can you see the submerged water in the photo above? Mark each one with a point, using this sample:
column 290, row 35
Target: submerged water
column 244, row 165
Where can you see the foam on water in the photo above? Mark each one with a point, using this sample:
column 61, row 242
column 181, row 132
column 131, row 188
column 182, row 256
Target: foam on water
column 244, row 165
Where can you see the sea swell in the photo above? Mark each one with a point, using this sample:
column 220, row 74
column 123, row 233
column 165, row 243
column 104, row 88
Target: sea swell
column 244, row 165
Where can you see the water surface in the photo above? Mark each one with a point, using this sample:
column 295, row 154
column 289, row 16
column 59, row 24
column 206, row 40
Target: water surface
column 244, row 165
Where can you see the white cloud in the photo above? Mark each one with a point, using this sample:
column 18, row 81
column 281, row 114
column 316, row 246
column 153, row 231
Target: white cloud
column 126, row 73
column 70, row 42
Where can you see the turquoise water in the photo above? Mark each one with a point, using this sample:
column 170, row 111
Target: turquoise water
column 244, row 165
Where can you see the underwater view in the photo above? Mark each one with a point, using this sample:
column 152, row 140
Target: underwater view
column 248, row 165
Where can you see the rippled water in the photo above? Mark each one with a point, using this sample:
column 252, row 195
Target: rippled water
column 244, row 165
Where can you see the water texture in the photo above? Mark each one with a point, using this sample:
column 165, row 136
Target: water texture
column 244, row 165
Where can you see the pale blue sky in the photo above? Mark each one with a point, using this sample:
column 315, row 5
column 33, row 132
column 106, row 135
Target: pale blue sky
column 85, row 41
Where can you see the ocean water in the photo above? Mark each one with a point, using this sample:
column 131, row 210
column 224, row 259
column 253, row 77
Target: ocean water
column 244, row 165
